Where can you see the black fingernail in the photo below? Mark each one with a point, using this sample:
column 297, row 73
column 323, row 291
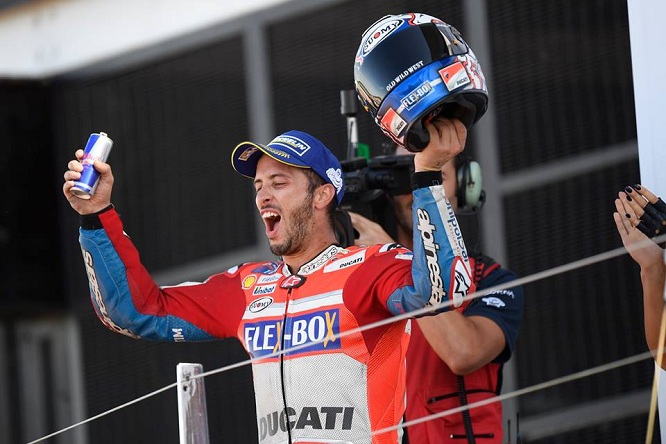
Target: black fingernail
column 637, row 187
column 628, row 189
column 629, row 198
column 628, row 215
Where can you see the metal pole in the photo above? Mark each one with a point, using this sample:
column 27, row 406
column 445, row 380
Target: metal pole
column 192, row 417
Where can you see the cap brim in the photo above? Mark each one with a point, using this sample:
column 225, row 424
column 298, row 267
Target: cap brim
column 245, row 156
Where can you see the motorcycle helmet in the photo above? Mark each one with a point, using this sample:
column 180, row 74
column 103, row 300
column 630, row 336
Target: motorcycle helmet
column 412, row 67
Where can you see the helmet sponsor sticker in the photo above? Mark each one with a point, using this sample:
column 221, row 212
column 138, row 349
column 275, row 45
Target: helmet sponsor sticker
column 393, row 123
column 454, row 76
column 319, row 328
column 403, row 75
column 415, row 95
column 378, row 33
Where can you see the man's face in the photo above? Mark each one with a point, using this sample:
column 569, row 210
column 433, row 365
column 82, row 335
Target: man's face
column 285, row 205
column 403, row 203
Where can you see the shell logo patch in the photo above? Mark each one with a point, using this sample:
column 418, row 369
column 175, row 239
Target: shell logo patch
column 249, row 281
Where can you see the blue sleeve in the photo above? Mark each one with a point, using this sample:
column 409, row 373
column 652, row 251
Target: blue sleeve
column 504, row 307
column 440, row 267
column 113, row 291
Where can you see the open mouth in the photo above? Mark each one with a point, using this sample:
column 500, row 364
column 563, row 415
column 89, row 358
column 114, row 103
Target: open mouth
column 272, row 221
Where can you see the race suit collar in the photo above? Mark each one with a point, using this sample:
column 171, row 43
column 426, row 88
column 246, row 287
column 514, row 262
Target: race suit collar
column 317, row 262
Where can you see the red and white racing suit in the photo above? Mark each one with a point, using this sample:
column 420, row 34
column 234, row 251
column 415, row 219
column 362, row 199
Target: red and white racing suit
column 329, row 388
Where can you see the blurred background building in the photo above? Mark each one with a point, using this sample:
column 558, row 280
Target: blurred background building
column 177, row 85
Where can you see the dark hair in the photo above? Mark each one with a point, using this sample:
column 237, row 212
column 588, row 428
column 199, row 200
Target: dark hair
column 314, row 182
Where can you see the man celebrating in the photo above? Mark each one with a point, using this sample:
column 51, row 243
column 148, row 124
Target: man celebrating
column 311, row 384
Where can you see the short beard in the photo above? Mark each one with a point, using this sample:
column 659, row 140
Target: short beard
column 297, row 233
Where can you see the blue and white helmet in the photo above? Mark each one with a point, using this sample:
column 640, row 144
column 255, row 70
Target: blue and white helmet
column 412, row 67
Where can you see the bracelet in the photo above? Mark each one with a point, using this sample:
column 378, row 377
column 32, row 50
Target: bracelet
column 425, row 179
column 91, row 221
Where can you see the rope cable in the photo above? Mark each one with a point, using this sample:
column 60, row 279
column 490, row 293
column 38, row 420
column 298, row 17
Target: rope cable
column 561, row 269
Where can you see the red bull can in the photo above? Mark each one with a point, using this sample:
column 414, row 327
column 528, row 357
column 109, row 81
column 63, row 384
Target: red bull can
column 97, row 148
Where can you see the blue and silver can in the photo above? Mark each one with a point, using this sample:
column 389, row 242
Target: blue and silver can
column 97, row 148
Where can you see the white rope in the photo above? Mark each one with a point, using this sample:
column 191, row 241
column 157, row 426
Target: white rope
column 515, row 283
column 534, row 388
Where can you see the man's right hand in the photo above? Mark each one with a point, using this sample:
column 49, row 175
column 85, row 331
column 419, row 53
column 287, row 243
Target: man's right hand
column 370, row 232
column 102, row 197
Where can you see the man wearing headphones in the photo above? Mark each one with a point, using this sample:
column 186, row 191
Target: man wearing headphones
column 454, row 358
column 409, row 69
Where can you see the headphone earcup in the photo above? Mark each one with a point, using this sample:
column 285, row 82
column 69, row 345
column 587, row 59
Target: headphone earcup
column 473, row 184
column 470, row 184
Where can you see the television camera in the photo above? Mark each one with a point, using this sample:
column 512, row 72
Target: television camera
column 369, row 183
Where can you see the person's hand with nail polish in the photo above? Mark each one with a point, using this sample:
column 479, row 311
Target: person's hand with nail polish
column 640, row 216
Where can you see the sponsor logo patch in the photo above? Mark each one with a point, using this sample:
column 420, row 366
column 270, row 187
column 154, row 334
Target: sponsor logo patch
column 267, row 268
column 260, row 290
column 293, row 281
column 454, row 76
column 247, row 153
column 393, row 123
column 403, row 75
column 495, row 302
column 453, row 230
column 389, row 247
column 320, row 260
column 260, row 304
column 462, row 281
column 248, row 281
column 335, row 176
column 431, row 248
column 345, row 262
column 99, row 300
column 269, row 278
column 312, row 418
column 178, row 335
column 292, row 143
column 379, row 33
column 416, row 95
column 321, row 327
